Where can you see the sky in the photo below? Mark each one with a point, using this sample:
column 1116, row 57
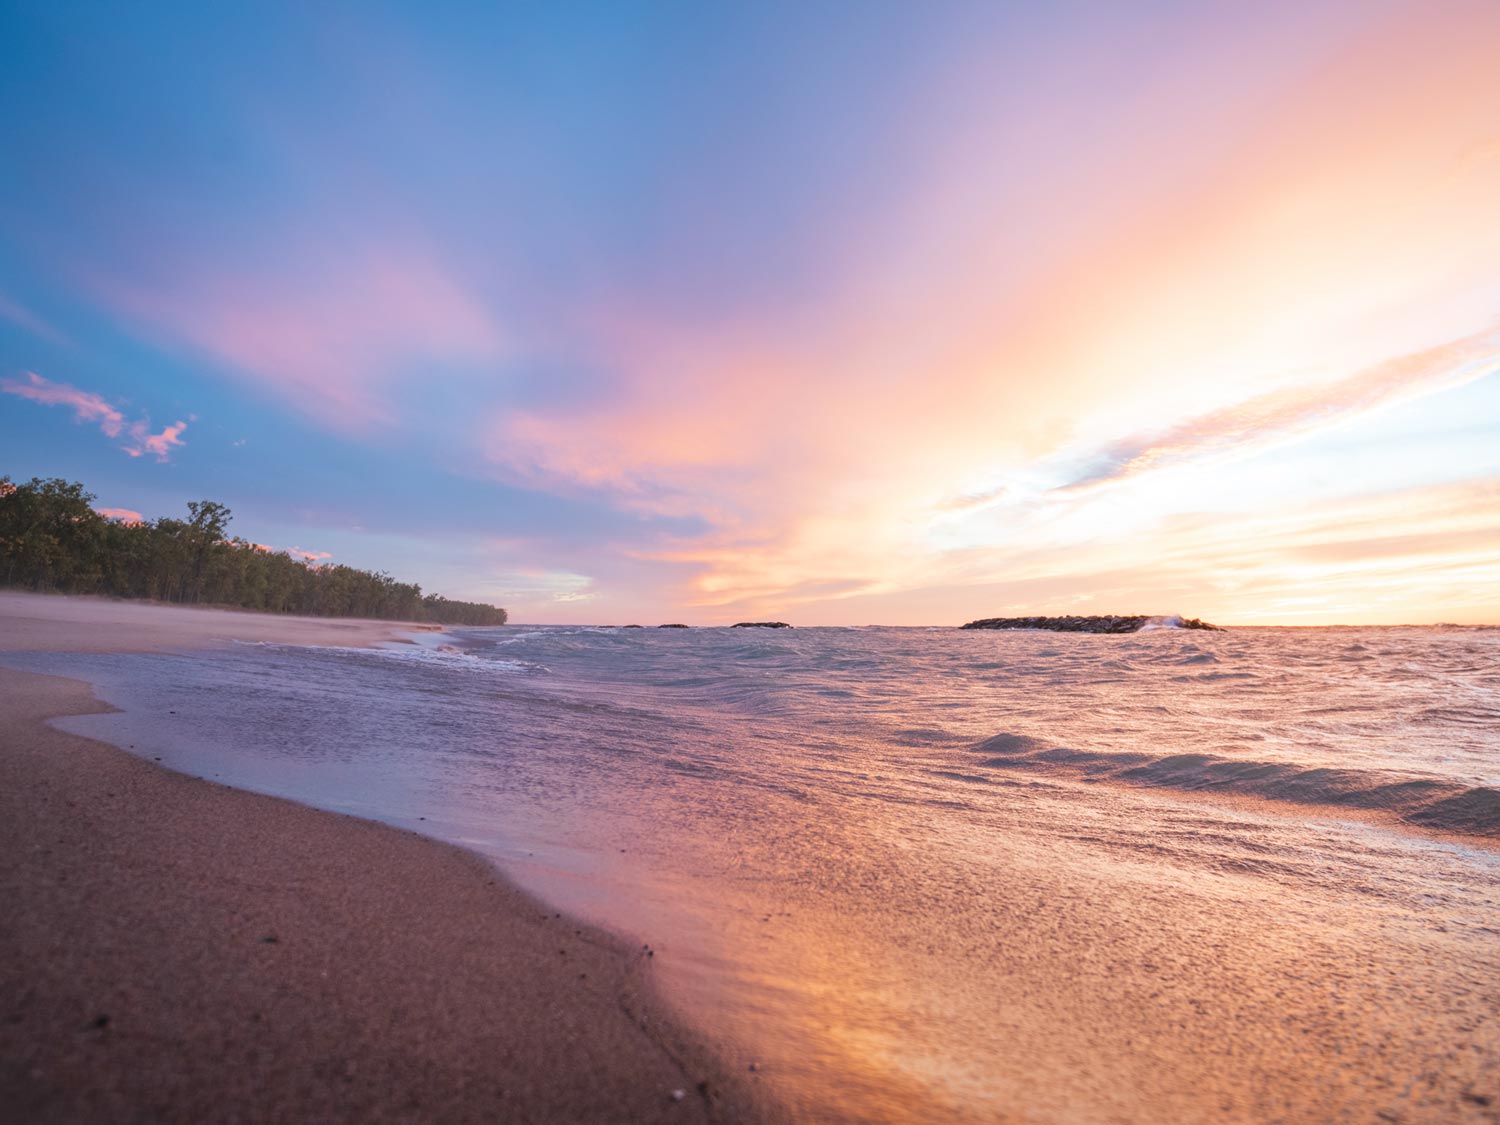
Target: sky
column 829, row 312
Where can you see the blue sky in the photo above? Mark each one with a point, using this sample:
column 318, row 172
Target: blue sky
column 835, row 312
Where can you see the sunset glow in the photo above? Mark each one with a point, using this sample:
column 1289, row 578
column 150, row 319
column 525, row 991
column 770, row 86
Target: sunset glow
column 704, row 314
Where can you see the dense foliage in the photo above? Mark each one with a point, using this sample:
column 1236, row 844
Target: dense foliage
column 52, row 539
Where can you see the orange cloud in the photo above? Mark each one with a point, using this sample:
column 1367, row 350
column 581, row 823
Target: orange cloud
column 1219, row 265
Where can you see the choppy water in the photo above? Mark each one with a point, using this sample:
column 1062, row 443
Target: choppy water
column 940, row 875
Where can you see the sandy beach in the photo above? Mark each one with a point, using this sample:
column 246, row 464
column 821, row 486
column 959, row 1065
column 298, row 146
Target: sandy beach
column 172, row 949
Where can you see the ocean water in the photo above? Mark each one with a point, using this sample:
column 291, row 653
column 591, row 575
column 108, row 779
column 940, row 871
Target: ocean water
column 912, row 874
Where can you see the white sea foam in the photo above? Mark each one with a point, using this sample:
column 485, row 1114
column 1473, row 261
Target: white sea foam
column 437, row 654
column 1170, row 621
column 449, row 656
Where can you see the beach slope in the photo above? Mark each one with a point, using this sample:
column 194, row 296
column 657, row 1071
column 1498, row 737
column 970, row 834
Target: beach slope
column 171, row 949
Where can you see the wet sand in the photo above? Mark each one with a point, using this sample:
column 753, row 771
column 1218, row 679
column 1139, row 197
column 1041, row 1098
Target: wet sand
column 171, row 949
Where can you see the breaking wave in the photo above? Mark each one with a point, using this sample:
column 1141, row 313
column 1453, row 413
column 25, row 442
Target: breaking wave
column 1171, row 621
column 1444, row 805
column 437, row 653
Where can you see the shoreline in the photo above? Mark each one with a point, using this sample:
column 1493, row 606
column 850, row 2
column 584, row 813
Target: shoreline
column 1056, row 951
column 179, row 950
column 88, row 623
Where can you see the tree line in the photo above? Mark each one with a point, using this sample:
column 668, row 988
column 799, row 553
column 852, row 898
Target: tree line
column 51, row 538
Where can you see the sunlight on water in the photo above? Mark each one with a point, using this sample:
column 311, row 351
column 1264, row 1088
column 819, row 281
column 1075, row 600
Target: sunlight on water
column 938, row 875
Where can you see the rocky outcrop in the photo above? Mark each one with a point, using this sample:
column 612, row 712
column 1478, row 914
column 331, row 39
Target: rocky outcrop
column 1128, row 624
column 671, row 626
column 762, row 625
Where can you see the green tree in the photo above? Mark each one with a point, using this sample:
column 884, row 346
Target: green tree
column 50, row 535
column 52, row 539
column 207, row 523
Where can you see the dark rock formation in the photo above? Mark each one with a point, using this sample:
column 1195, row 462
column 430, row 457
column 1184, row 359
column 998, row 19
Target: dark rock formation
column 762, row 625
column 1129, row 624
column 671, row 626
column 632, row 626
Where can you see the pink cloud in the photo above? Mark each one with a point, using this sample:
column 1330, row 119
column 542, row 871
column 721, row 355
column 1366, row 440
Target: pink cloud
column 124, row 515
column 159, row 444
column 294, row 552
column 90, row 407
column 330, row 333
column 308, row 556
column 87, row 406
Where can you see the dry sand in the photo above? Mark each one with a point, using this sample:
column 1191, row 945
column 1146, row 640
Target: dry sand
column 171, row 949
column 46, row 623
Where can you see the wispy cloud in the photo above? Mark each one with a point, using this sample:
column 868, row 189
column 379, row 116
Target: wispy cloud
column 158, row 444
column 537, row 589
column 328, row 332
column 94, row 408
column 86, row 406
column 23, row 317
column 974, row 501
column 1281, row 416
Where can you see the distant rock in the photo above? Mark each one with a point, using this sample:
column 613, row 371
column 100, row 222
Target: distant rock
column 632, row 626
column 671, row 626
column 762, row 625
column 1133, row 623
